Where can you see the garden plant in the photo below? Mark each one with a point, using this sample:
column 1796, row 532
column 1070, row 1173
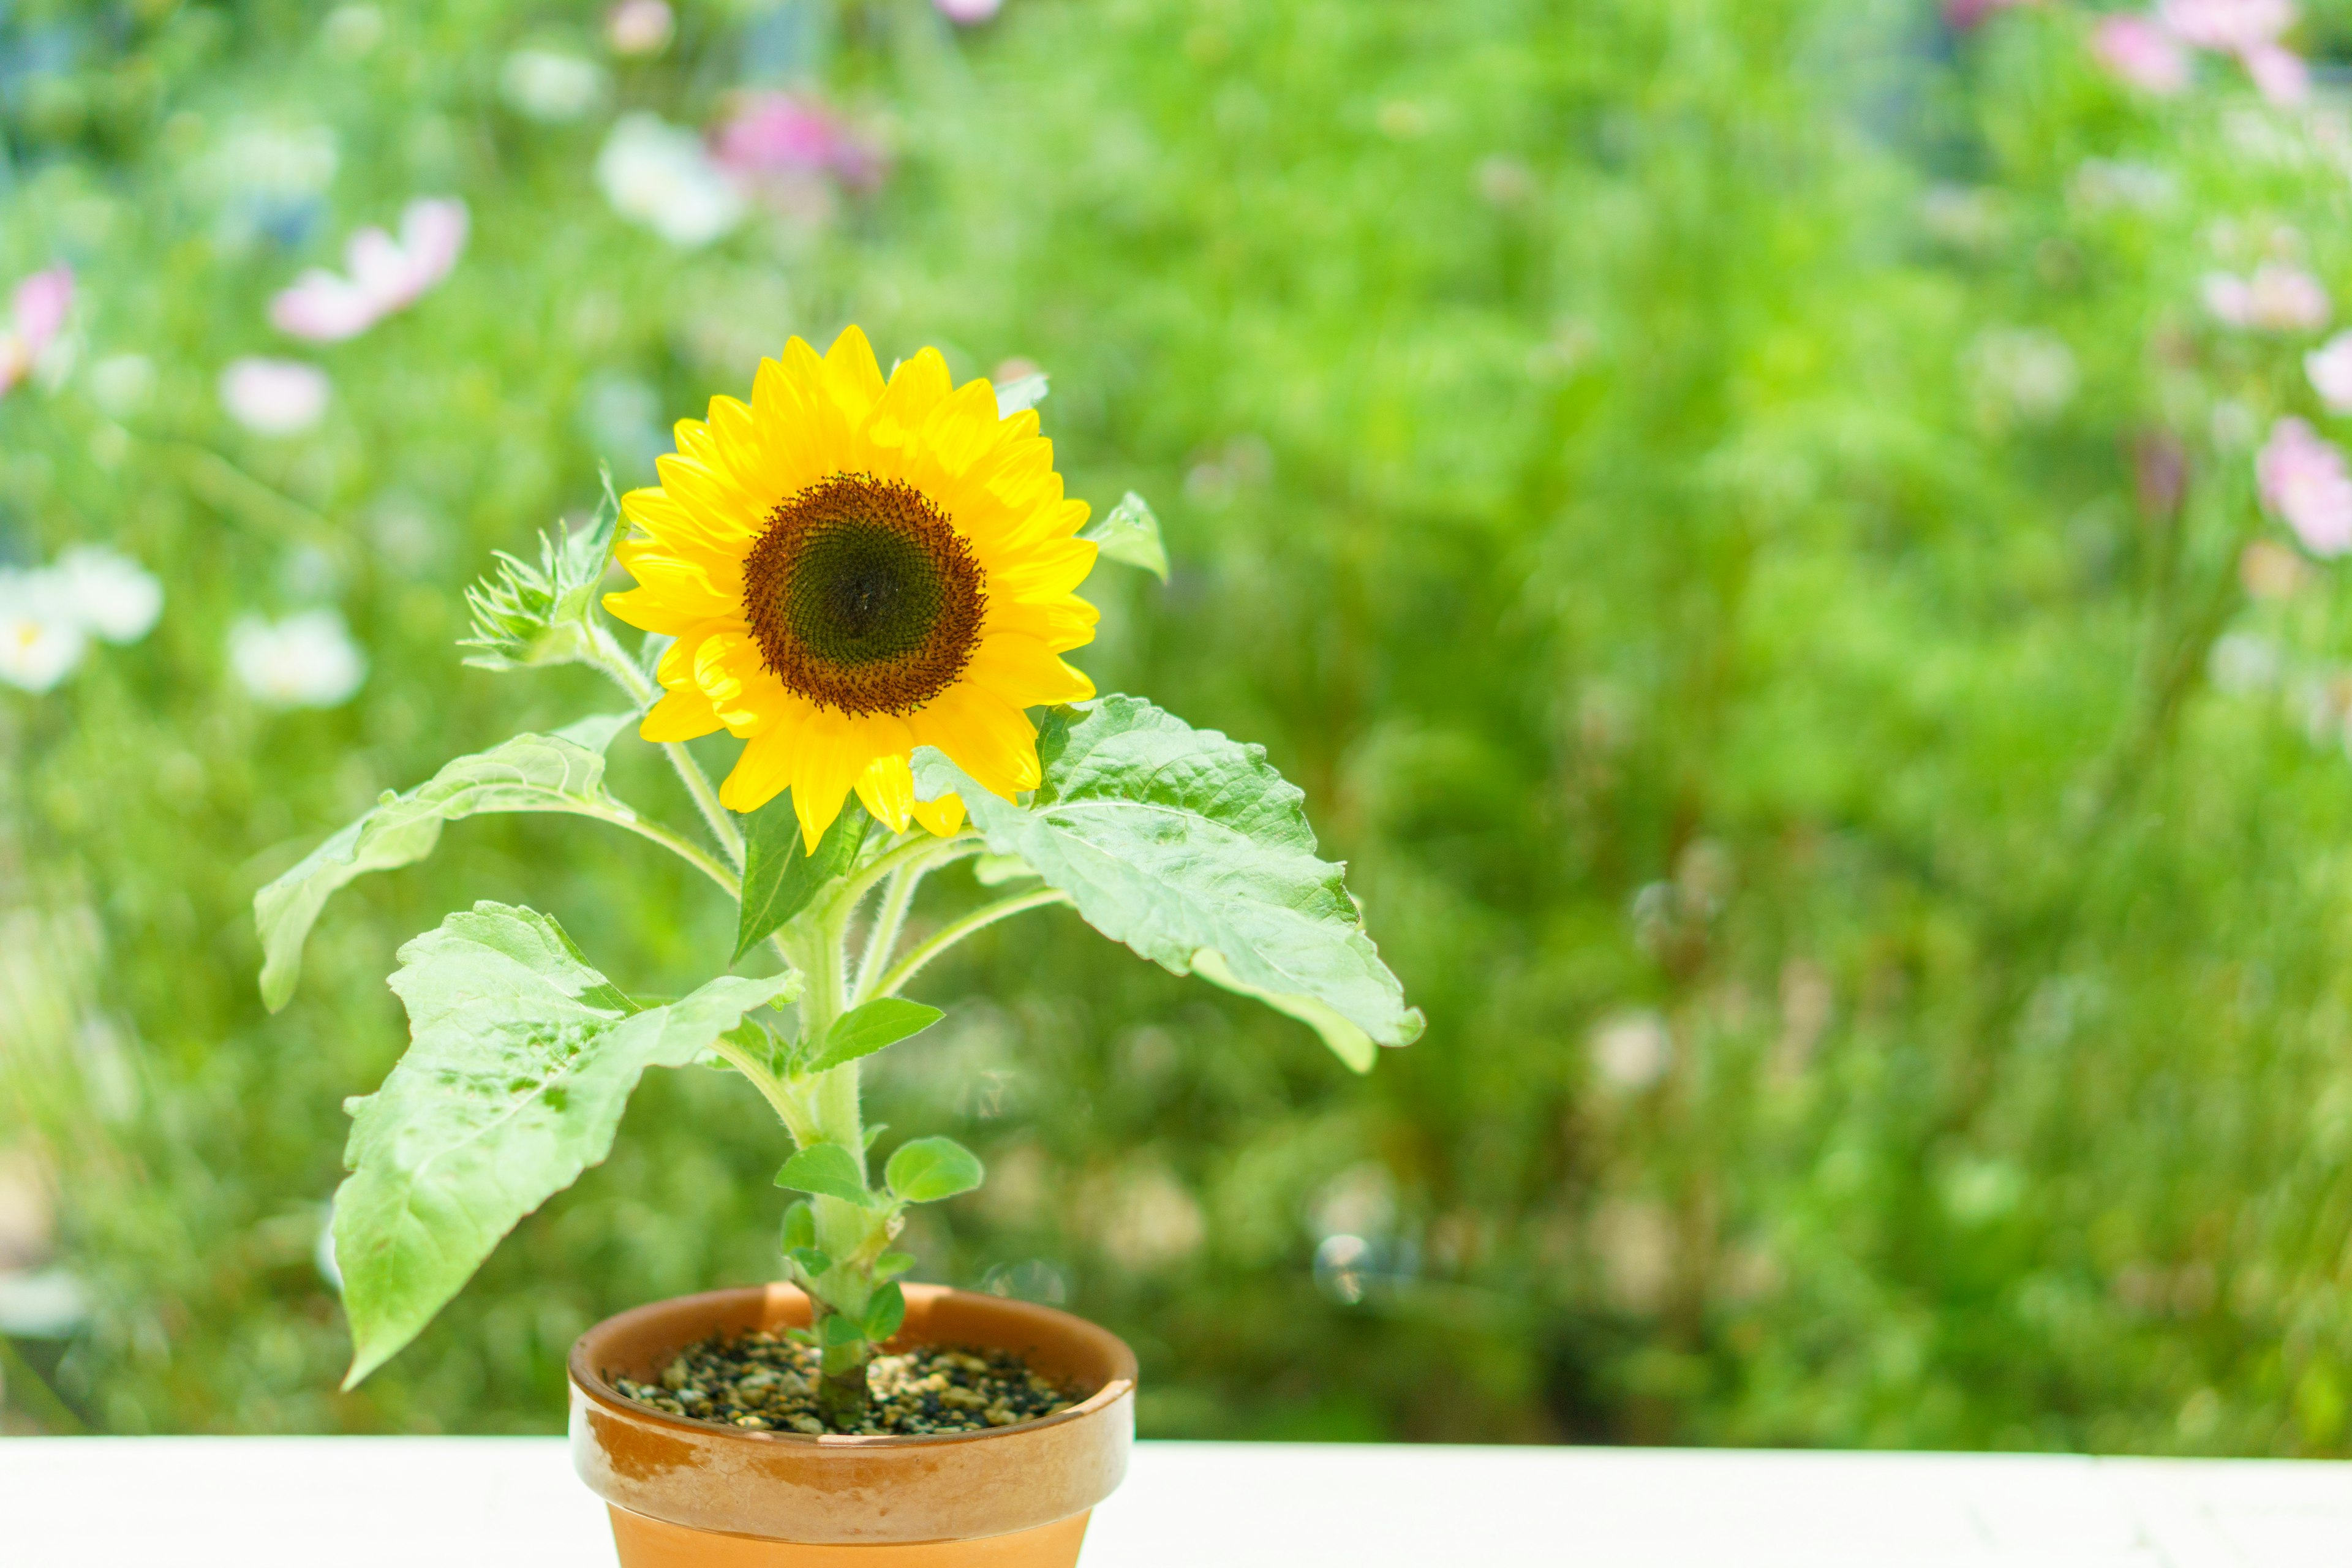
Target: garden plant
column 870, row 583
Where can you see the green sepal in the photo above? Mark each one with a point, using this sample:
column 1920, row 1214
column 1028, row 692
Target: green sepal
column 885, row 1312
column 526, row 615
column 827, row 1170
column 927, row 1170
column 780, row 877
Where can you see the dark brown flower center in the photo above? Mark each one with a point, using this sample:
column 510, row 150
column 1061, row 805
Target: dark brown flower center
column 862, row 597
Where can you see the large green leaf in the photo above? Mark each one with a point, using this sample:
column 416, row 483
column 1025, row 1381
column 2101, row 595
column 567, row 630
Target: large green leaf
column 563, row 772
column 1181, row 843
column 521, row 1061
column 778, row 877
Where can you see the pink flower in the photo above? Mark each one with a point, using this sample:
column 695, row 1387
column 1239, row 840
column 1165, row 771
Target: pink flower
column 2304, row 480
column 36, row 315
column 274, row 396
column 1961, row 14
column 386, row 275
column 970, row 13
column 774, row 134
column 2140, row 51
column 2276, row 298
column 2229, row 27
column 2280, row 73
column 639, row 27
column 2329, row 366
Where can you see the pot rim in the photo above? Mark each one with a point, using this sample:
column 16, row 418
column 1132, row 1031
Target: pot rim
column 590, row 1382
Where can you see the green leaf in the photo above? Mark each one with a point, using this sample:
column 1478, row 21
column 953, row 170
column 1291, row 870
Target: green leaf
column 523, row 1058
column 1347, row 1042
column 1024, row 392
column 778, row 878
column 1177, row 842
column 925, row 1170
column 827, row 1170
column 799, row 1229
column 845, row 1342
column 563, row 772
column 1130, row 535
column 811, row 1262
column 891, row 1263
column 526, row 615
column 863, row 1030
column 995, row 870
column 886, row 1312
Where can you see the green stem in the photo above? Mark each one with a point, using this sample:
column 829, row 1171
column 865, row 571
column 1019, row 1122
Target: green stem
column 921, row 850
column 884, row 934
column 686, row 850
column 614, row 661
column 949, row 935
column 788, row 1106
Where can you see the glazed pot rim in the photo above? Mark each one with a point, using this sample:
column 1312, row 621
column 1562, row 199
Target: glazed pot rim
column 592, row 1383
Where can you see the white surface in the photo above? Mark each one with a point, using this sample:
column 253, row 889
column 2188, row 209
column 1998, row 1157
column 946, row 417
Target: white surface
column 460, row 1502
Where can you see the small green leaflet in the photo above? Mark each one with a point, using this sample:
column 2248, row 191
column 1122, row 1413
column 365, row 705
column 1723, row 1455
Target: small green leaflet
column 521, row 1059
column 828, row 1170
column 563, row 772
column 1178, row 841
column 925, row 1170
column 886, row 1312
column 1024, row 392
column 1130, row 535
column 778, row 878
column 863, row 1030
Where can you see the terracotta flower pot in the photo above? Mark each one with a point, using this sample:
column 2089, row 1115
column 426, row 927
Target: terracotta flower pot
column 684, row 1494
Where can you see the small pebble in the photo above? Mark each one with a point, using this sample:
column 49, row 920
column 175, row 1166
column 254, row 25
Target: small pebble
column 764, row 1383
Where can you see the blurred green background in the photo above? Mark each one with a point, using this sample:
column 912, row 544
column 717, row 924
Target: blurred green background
column 1735, row 510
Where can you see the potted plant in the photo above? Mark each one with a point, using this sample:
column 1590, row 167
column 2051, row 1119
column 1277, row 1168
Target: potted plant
column 871, row 583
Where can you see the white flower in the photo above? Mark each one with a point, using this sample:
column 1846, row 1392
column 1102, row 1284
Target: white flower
column 40, row 639
column 2031, row 373
column 306, row 660
column 639, row 27
column 107, row 593
column 386, row 274
column 660, row 175
column 1632, row 1050
column 274, row 396
column 968, row 13
column 2277, row 298
column 551, row 87
column 2329, row 366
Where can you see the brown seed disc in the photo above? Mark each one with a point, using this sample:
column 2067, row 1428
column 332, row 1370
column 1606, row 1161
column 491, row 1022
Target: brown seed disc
column 863, row 598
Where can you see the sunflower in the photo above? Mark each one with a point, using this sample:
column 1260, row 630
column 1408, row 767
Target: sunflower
column 854, row 568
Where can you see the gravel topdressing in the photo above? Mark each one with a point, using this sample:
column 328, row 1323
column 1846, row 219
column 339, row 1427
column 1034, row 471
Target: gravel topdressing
column 766, row 1383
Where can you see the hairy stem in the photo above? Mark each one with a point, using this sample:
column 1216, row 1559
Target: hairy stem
column 947, row 936
column 882, row 936
column 686, row 850
column 616, row 662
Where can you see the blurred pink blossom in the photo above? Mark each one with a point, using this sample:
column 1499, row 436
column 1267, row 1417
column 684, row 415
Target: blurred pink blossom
column 2276, row 298
column 773, row 134
column 2303, row 478
column 2231, row 27
column 2139, row 50
column 639, row 27
column 36, row 312
column 2329, row 366
column 274, row 396
column 968, row 13
column 1959, row 14
column 2279, row 72
column 386, row 274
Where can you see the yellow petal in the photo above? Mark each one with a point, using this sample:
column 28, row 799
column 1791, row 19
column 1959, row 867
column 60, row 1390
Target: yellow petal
column 915, row 388
column 680, row 716
column 1024, row 672
column 763, row 772
column 984, row 735
column 851, row 377
column 887, row 789
column 942, row 816
column 835, row 749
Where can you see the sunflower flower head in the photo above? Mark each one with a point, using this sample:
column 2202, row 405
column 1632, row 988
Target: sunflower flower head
column 853, row 568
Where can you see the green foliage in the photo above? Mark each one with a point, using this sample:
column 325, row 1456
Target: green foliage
column 780, row 876
column 1129, row 534
column 521, row 1059
column 827, row 1170
column 562, row 771
column 1178, row 841
column 867, row 1028
column 931, row 1170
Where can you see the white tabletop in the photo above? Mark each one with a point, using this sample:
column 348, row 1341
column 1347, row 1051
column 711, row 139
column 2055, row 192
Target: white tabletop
column 513, row 1502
